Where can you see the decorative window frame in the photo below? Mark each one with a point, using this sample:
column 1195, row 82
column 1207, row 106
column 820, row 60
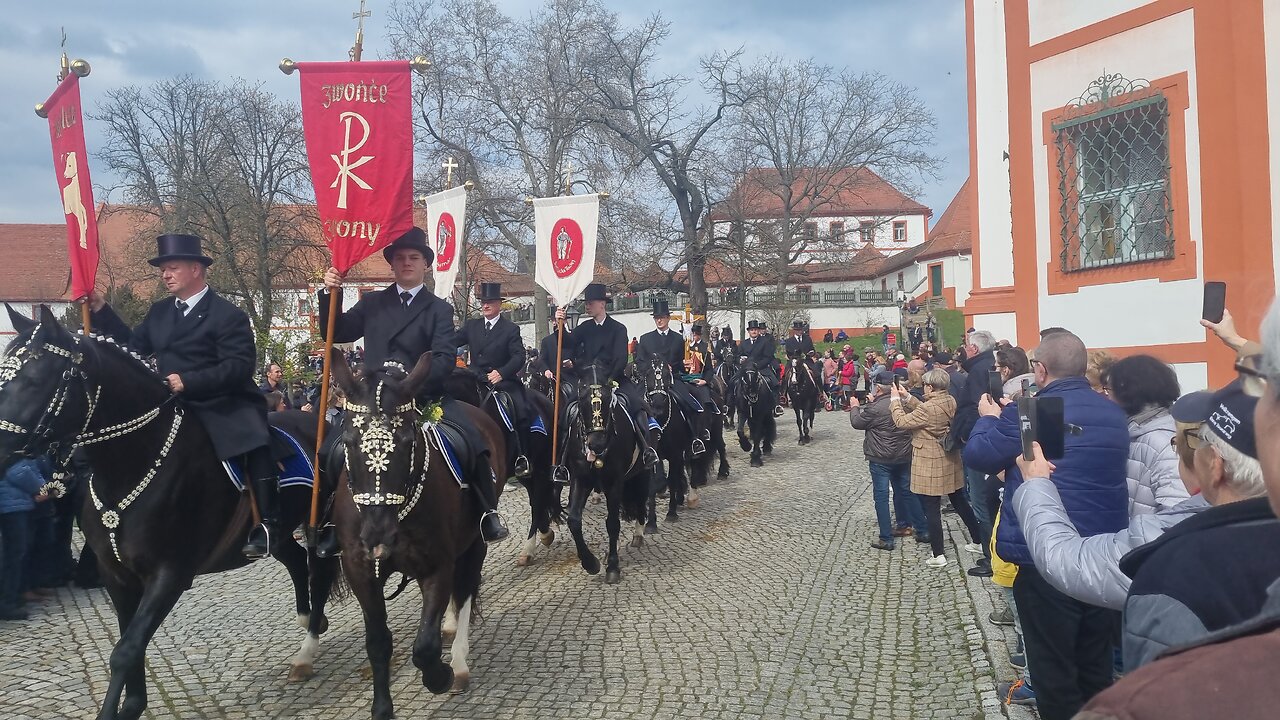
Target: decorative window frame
column 899, row 225
column 1182, row 264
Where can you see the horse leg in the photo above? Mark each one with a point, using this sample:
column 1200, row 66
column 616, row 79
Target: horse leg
column 377, row 636
column 129, row 654
column 466, row 587
column 722, row 451
column 651, row 516
column 323, row 573
column 578, row 493
column 537, row 511
column 294, row 559
column 613, row 523
column 676, row 485
column 436, row 590
column 744, row 442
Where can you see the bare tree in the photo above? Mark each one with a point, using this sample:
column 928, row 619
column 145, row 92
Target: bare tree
column 223, row 161
column 807, row 132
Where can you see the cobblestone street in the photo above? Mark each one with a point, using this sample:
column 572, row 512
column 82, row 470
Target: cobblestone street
column 764, row 602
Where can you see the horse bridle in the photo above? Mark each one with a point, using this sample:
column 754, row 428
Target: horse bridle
column 377, row 443
column 659, row 377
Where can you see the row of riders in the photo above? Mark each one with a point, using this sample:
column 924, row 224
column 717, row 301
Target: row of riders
column 399, row 494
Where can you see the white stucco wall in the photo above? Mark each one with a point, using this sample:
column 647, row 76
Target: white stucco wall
column 28, row 309
column 1048, row 19
column 1145, row 312
column 1271, row 27
column 991, row 140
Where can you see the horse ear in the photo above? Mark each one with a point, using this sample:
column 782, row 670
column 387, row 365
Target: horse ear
column 341, row 372
column 418, row 376
column 20, row 322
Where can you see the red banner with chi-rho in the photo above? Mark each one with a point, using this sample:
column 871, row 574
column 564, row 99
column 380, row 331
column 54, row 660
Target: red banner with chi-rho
column 71, row 165
column 358, row 124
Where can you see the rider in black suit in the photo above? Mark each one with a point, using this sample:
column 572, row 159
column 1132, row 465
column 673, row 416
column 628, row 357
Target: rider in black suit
column 204, row 347
column 798, row 345
column 496, row 354
column 669, row 346
column 601, row 339
column 761, row 354
column 401, row 323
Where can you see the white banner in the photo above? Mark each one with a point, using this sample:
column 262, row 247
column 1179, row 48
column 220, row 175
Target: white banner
column 446, row 219
column 566, row 244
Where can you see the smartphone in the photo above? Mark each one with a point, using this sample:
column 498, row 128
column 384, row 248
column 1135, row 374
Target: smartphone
column 1041, row 419
column 995, row 385
column 1215, row 301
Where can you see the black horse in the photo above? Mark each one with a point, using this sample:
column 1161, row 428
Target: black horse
column 757, row 427
column 806, row 394
column 544, row 497
column 401, row 510
column 603, row 454
column 685, row 473
column 160, row 508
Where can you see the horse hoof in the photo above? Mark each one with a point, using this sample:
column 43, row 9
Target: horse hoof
column 651, row 529
column 324, row 626
column 522, row 561
column 592, row 566
column 637, row 541
column 672, row 517
column 438, row 680
column 742, row 443
column 613, row 577
column 756, row 462
column 461, row 681
column 300, row 672
column 447, row 636
column 723, row 472
column 547, row 538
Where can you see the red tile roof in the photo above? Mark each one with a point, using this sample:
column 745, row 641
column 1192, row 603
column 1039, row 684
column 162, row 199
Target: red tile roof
column 854, row 192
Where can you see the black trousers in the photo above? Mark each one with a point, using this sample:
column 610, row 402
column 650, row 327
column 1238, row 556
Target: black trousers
column 1068, row 644
column 932, row 505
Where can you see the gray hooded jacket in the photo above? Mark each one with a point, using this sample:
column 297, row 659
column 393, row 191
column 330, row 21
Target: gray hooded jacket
column 1087, row 568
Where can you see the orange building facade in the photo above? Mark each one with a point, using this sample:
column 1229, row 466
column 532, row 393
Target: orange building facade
column 1121, row 156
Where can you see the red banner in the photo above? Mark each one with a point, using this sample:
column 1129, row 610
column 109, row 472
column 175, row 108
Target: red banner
column 358, row 124
column 71, row 163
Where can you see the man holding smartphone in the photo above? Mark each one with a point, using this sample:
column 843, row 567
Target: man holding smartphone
column 1068, row 642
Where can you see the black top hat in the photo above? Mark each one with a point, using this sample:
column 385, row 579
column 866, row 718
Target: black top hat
column 491, row 291
column 415, row 239
column 661, row 308
column 754, row 325
column 696, row 328
column 797, row 324
column 763, row 326
column 596, row 291
column 179, row 247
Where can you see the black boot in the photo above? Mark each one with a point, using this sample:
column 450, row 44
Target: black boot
column 264, row 536
column 491, row 527
column 327, row 542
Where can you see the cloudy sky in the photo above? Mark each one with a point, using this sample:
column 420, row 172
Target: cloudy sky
column 918, row 42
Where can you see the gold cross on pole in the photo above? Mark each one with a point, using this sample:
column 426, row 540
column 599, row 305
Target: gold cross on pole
column 568, row 177
column 359, row 17
column 449, row 166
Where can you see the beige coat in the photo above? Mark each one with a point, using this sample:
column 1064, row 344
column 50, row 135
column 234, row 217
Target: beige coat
column 933, row 472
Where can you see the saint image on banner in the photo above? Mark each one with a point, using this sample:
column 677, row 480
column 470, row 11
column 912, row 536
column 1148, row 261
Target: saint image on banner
column 568, row 247
column 445, row 246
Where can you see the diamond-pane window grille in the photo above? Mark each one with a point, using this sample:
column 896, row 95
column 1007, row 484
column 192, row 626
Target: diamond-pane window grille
column 1113, row 176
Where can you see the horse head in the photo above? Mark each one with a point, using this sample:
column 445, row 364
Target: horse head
column 595, row 410
column 44, row 391
column 386, row 450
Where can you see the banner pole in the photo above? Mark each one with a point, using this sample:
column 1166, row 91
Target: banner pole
column 555, row 403
column 85, row 323
column 326, row 367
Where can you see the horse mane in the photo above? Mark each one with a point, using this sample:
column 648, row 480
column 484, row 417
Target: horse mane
column 106, row 346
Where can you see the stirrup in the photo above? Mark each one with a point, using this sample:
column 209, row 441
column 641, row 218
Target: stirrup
column 698, row 446
column 560, row 475
column 649, row 457
column 254, row 550
column 522, row 466
column 502, row 535
column 777, row 411
column 705, row 435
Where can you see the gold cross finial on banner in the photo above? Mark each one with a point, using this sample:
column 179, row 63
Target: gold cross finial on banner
column 449, row 166
column 359, row 17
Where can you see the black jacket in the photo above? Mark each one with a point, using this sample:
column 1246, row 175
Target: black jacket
column 605, row 343
column 760, row 352
column 669, row 348
column 211, row 349
column 547, row 351
column 394, row 332
column 975, row 386
column 883, row 442
column 798, row 346
column 498, row 349
column 1204, row 574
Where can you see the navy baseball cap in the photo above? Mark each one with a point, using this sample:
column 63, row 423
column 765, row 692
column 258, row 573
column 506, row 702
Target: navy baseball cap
column 884, row 377
column 1228, row 413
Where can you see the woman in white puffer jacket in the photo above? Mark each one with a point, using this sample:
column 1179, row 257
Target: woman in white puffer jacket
column 1146, row 388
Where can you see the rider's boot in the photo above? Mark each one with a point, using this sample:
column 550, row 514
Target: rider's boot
column 491, row 527
column 265, row 536
column 327, row 542
column 649, row 439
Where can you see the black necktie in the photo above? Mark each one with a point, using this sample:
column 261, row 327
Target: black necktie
column 182, row 308
column 488, row 325
column 406, row 297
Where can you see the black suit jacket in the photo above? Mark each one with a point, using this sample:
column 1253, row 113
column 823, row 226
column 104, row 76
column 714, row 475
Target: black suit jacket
column 212, row 350
column 798, row 347
column 499, row 349
column 760, row 353
column 547, row 351
column 394, row 332
column 670, row 349
column 604, row 343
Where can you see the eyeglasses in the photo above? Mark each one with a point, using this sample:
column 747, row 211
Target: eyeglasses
column 1253, row 381
column 1193, row 440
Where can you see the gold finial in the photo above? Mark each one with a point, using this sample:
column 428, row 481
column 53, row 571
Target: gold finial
column 420, row 64
column 287, row 66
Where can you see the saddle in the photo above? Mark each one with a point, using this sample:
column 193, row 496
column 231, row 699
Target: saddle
column 462, row 455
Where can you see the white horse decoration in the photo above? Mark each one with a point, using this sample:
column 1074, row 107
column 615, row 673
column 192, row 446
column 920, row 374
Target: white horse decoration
column 71, row 202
